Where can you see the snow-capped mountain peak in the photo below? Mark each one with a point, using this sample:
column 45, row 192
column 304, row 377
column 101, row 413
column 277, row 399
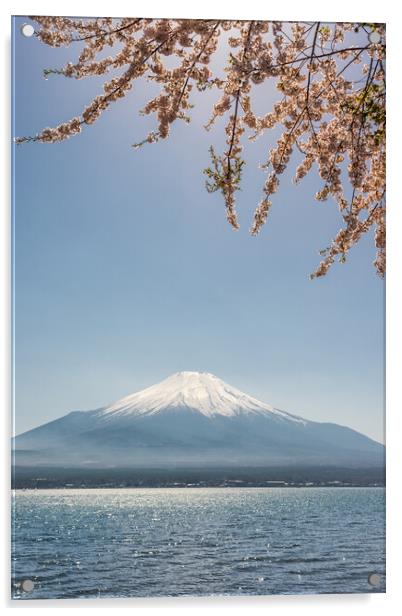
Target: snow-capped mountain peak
column 199, row 391
column 191, row 420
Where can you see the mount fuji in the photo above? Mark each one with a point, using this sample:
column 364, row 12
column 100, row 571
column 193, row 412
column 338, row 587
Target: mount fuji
column 192, row 419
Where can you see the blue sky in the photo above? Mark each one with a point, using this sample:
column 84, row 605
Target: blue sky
column 126, row 270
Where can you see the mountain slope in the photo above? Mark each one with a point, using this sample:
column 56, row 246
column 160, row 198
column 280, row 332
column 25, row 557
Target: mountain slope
column 192, row 419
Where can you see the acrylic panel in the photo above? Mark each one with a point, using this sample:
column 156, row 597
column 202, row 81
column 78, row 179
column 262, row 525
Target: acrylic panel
column 198, row 284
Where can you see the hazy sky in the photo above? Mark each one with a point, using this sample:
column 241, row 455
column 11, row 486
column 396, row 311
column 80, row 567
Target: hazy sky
column 126, row 270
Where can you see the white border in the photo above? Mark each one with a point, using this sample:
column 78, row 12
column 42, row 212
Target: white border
column 341, row 10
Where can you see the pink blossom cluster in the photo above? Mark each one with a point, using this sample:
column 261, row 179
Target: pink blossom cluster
column 330, row 109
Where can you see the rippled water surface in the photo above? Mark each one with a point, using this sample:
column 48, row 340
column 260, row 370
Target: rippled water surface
column 196, row 541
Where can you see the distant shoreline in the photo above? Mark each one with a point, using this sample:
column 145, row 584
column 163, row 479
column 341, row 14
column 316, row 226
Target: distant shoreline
column 214, row 487
column 214, row 477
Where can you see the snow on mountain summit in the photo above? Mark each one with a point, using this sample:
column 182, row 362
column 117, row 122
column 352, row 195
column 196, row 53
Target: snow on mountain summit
column 199, row 391
column 191, row 420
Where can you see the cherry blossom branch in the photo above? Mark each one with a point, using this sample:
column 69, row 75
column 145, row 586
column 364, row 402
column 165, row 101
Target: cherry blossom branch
column 334, row 116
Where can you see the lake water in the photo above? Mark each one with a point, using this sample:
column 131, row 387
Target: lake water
column 196, row 541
